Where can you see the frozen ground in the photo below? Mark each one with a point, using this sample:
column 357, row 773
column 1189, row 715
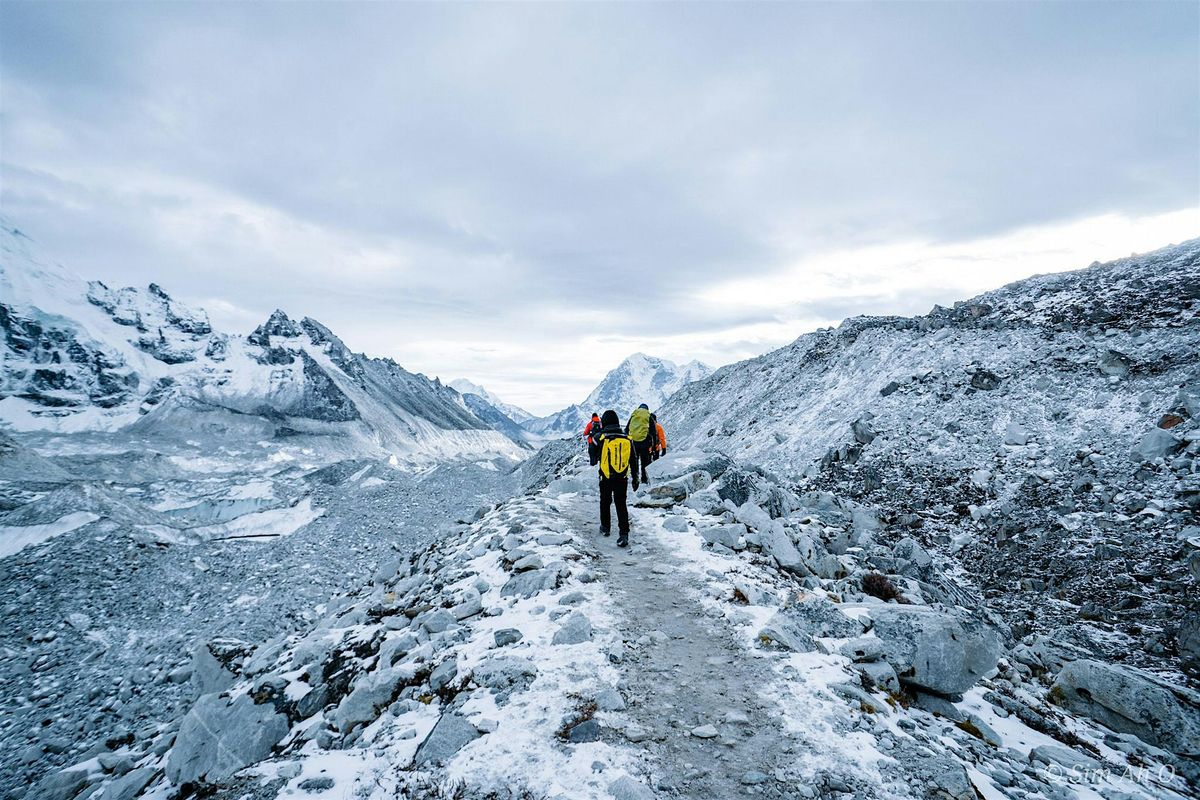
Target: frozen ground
column 101, row 608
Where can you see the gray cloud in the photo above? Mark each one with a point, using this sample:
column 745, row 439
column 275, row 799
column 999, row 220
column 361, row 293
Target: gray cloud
column 406, row 170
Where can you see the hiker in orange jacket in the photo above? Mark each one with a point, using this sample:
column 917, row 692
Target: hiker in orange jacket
column 592, row 434
column 661, row 443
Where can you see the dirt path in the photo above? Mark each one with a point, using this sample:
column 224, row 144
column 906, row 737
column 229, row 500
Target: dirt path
column 683, row 670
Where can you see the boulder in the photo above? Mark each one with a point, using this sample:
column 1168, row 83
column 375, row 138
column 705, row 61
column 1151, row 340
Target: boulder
column 675, row 524
column 1016, row 435
column 778, row 545
column 507, row 636
column 576, row 629
column 1188, row 640
column 935, row 650
column 726, row 535
column 62, row 785
column 863, row 648
column 216, row 664
column 372, row 693
column 821, row 617
column 451, row 734
column 218, row 737
column 505, row 673
column 783, row 632
column 1156, row 443
column 912, row 559
column 129, row 785
column 864, row 432
column 527, row 584
column 628, row 788
column 443, row 674
column 1128, row 700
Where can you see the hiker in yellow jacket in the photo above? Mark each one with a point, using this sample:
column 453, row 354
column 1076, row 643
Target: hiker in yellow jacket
column 616, row 455
column 642, row 433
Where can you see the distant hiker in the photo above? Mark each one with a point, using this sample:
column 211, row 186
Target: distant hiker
column 616, row 454
column 641, row 433
column 654, row 429
column 662, row 440
column 590, row 433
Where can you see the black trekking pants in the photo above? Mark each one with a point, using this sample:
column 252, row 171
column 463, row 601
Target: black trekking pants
column 641, row 458
column 613, row 490
column 594, row 454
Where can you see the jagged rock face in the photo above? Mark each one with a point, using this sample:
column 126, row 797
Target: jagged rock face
column 53, row 369
column 149, row 309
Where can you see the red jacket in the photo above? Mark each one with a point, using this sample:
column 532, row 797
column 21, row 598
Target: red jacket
column 593, row 424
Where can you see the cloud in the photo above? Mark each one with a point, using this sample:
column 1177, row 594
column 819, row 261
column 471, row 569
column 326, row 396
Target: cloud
column 516, row 193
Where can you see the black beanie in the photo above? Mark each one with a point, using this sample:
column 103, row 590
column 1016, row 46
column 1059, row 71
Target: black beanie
column 610, row 418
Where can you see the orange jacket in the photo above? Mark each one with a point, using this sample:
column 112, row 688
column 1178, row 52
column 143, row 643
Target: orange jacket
column 593, row 426
column 662, row 437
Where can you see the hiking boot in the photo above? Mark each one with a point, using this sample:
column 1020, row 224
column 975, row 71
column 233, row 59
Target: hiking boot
column 604, row 532
column 623, row 540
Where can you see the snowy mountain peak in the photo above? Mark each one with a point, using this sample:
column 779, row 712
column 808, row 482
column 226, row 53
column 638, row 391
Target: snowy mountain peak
column 643, row 379
column 640, row 378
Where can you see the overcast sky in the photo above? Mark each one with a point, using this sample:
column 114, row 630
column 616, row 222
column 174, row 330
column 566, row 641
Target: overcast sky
column 524, row 194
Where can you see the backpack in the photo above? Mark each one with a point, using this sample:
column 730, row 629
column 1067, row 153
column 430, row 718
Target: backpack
column 639, row 425
column 615, row 452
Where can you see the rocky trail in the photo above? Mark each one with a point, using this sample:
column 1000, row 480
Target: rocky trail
column 692, row 694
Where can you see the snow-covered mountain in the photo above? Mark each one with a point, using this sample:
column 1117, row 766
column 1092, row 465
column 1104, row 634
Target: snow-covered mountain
column 638, row 379
column 514, row 413
column 81, row 356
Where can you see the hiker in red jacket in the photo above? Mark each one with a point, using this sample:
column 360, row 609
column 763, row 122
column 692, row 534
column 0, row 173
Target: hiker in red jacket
column 591, row 433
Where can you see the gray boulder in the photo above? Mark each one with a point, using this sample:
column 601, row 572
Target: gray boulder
column 451, row 734
column 1131, row 701
column 1015, row 434
column 724, row 535
column 863, row 648
column 527, row 584
column 819, row 616
column 1188, row 640
column 61, row 785
column 576, row 629
column 675, row 524
column 1157, row 443
column 505, row 673
column 936, row 650
column 783, row 632
column 507, row 636
column 778, row 545
column 371, row 694
column 628, row 788
column 216, row 664
column 129, row 785
column 218, row 737
column 864, row 432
